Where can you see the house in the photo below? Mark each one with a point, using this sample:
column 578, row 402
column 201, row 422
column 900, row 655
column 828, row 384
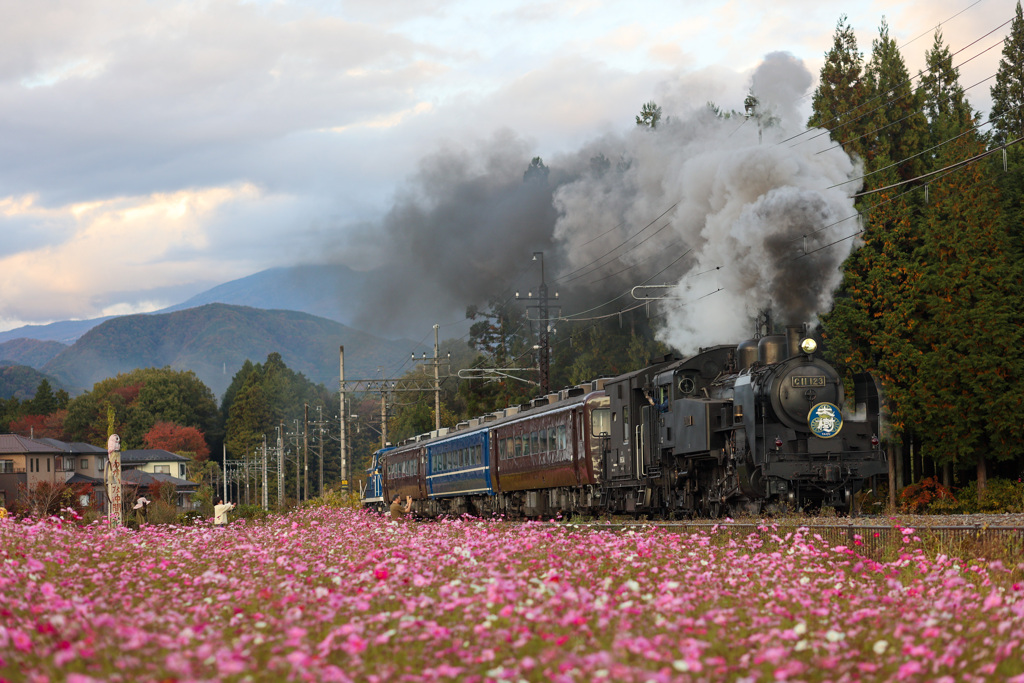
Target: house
column 27, row 462
column 155, row 461
column 85, row 467
column 143, row 483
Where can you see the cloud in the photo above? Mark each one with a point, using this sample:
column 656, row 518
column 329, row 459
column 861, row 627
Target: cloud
column 144, row 242
column 330, row 110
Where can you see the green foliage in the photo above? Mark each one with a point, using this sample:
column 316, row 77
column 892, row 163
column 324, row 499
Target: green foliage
column 970, row 333
column 1008, row 91
column 192, row 517
column 19, row 381
column 650, row 115
column 336, row 499
column 899, row 129
column 133, row 402
column 1000, row 495
column 251, row 512
column 841, row 91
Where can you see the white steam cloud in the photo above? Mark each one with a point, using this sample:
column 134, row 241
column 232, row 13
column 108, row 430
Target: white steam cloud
column 757, row 215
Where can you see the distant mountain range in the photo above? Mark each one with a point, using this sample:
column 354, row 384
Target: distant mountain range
column 328, row 291
column 302, row 312
column 214, row 341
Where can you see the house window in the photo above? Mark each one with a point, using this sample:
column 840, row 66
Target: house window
column 181, row 470
column 47, row 464
column 85, row 464
column 6, row 466
column 161, row 469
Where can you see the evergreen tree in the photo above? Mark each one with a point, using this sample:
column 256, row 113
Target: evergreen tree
column 971, row 335
column 650, row 115
column 873, row 324
column 1008, row 125
column 896, row 124
column 1008, row 91
column 44, row 402
column 945, row 106
column 836, row 105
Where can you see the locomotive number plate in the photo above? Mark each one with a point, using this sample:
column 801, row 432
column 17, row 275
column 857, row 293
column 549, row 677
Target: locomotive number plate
column 817, row 381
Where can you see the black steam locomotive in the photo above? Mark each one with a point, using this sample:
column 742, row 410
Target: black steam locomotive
column 731, row 430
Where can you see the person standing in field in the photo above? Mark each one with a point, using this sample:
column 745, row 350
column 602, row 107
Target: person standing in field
column 399, row 512
column 220, row 512
column 141, row 508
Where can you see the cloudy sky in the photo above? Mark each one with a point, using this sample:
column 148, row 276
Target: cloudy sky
column 151, row 150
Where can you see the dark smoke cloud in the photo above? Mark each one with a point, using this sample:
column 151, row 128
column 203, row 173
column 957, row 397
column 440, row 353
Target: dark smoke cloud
column 461, row 228
column 740, row 209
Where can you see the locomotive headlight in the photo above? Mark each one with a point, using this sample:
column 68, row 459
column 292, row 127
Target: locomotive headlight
column 808, row 346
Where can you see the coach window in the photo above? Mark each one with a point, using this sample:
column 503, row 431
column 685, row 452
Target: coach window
column 625, row 424
column 534, row 443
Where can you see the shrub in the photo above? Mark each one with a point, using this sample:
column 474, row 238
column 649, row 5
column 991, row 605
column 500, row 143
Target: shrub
column 248, row 512
column 1001, row 495
column 918, row 498
column 191, row 517
column 335, row 499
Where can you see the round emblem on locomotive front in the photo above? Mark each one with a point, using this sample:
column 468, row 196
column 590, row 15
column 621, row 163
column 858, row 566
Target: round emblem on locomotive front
column 825, row 420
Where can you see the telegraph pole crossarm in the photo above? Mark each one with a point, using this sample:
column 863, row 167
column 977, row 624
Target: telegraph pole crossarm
column 496, row 374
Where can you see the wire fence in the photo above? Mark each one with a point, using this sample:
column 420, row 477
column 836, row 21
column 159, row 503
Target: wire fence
column 878, row 542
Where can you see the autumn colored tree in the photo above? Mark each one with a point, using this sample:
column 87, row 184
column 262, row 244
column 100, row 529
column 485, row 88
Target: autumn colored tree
column 172, row 437
column 41, row 426
column 139, row 399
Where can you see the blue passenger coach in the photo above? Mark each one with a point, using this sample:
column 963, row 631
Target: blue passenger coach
column 459, row 466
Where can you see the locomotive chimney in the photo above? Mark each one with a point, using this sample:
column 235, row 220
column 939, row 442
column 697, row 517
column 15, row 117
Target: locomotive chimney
column 794, row 334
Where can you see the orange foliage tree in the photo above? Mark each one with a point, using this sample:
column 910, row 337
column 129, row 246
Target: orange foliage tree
column 173, row 437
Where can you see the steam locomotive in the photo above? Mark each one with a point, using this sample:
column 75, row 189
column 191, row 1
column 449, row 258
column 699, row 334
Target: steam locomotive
column 738, row 429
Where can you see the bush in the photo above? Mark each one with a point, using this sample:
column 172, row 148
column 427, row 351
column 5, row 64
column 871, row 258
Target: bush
column 248, row 512
column 1001, row 495
column 191, row 517
column 335, row 499
column 918, row 498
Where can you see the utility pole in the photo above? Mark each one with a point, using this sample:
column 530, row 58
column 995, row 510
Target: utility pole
column 320, row 429
column 341, row 418
column 266, row 496
column 436, row 363
column 305, row 448
column 225, row 461
column 280, row 466
column 543, row 346
column 384, row 386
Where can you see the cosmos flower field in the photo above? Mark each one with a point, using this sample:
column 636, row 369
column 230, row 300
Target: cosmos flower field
column 341, row 595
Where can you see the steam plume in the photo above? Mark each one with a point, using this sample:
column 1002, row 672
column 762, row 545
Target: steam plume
column 743, row 216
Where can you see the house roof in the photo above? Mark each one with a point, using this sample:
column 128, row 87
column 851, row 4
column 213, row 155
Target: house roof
column 148, row 479
column 152, row 455
column 76, row 447
column 15, row 445
column 77, row 478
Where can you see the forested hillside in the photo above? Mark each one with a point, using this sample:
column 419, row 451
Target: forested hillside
column 215, row 340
